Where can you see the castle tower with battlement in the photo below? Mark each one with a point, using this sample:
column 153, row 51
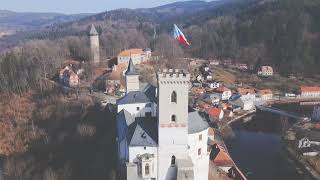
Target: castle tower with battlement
column 173, row 86
column 94, row 45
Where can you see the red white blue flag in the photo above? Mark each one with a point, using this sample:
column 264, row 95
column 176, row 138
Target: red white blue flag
column 178, row 35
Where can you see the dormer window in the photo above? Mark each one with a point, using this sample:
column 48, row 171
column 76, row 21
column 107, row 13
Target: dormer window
column 174, row 97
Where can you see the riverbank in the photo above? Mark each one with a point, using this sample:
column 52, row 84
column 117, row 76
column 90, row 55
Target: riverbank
column 293, row 137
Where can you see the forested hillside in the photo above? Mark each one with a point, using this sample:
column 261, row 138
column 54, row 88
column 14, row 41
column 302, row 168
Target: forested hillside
column 281, row 33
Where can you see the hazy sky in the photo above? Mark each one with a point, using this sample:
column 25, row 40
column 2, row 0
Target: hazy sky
column 77, row 6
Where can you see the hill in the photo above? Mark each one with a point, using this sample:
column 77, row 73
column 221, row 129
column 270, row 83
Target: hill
column 32, row 21
column 280, row 33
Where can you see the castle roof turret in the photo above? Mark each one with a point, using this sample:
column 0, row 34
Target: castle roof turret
column 131, row 70
column 93, row 31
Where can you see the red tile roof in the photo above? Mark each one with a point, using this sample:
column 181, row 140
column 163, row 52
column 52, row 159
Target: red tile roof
column 310, row 89
column 223, row 158
column 214, row 112
column 129, row 52
column 222, row 89
column 265, row 91
column 244, row 91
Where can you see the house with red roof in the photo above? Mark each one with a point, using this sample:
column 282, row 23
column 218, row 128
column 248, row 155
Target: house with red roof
column 138, row 56
column 216, row 113
column 265, row 94
column 310, row 92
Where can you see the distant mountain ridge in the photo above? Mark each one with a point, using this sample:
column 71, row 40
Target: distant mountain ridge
column 32, row 21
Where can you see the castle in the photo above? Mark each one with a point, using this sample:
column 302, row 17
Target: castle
column 158, row 136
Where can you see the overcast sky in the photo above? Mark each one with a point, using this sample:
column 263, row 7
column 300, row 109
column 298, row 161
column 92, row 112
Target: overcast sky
column 77, row 6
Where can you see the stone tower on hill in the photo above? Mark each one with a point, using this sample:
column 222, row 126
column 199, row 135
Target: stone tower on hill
column 94, row 45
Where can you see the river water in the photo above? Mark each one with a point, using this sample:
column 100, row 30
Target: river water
column 259, row 151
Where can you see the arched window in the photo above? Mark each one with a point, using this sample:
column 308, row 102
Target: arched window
column 147, row 169
column 173, row 160
column 173, row 118
column 174, row 97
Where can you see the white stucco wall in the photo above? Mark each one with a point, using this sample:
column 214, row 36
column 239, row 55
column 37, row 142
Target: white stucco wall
column 200, row 162
column 135, row 151
column 132, row 109
column 173, row 136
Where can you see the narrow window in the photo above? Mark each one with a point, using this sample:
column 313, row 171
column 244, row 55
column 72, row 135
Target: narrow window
column 173, row 118
column 200, row 137
column 138, row 108
column 199, row 151
column 173, row 160
column 174, row 97
column 147, row 169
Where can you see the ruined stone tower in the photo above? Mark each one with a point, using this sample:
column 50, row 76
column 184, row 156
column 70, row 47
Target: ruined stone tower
column 94, row 45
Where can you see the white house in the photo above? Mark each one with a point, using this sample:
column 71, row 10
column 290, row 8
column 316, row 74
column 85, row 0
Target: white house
column 158, row 138
column 310, row 92
column 138, row 56
column 213, row 84
column 246, row 102
column 265, row 94
column 265, row 71
column 225, row 92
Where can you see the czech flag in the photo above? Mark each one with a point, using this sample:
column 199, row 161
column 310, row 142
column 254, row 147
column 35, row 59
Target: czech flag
column 178, row 35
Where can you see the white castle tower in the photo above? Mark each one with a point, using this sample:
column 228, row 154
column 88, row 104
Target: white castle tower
column 173, row 120
column 132, row 78
column 94, row 45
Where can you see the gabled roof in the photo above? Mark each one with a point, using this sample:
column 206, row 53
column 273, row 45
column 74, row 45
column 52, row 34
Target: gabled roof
column 93, row 31
column 244, row 91
column 214, row 112
column 151, row 92
column 131, row 70
column 133, row 97
column 143, row 132
column 125, row 115
column 196, row 123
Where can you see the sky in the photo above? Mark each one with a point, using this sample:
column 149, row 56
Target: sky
column 77, row 6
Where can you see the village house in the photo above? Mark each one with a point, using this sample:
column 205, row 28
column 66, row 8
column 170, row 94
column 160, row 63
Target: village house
column 310, row 92
column 265, row 94
column 213, row 84
column 246, row 91
column 214, row 98
column 265, row 71
column 138, row 56
column 115, row 81
column 224, row 91
column 215, row 113
column 68, row 77
column 246, row 102
column 214, row 62
column 242, row 67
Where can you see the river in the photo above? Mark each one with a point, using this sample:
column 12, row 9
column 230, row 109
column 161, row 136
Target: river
column 259, row 151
